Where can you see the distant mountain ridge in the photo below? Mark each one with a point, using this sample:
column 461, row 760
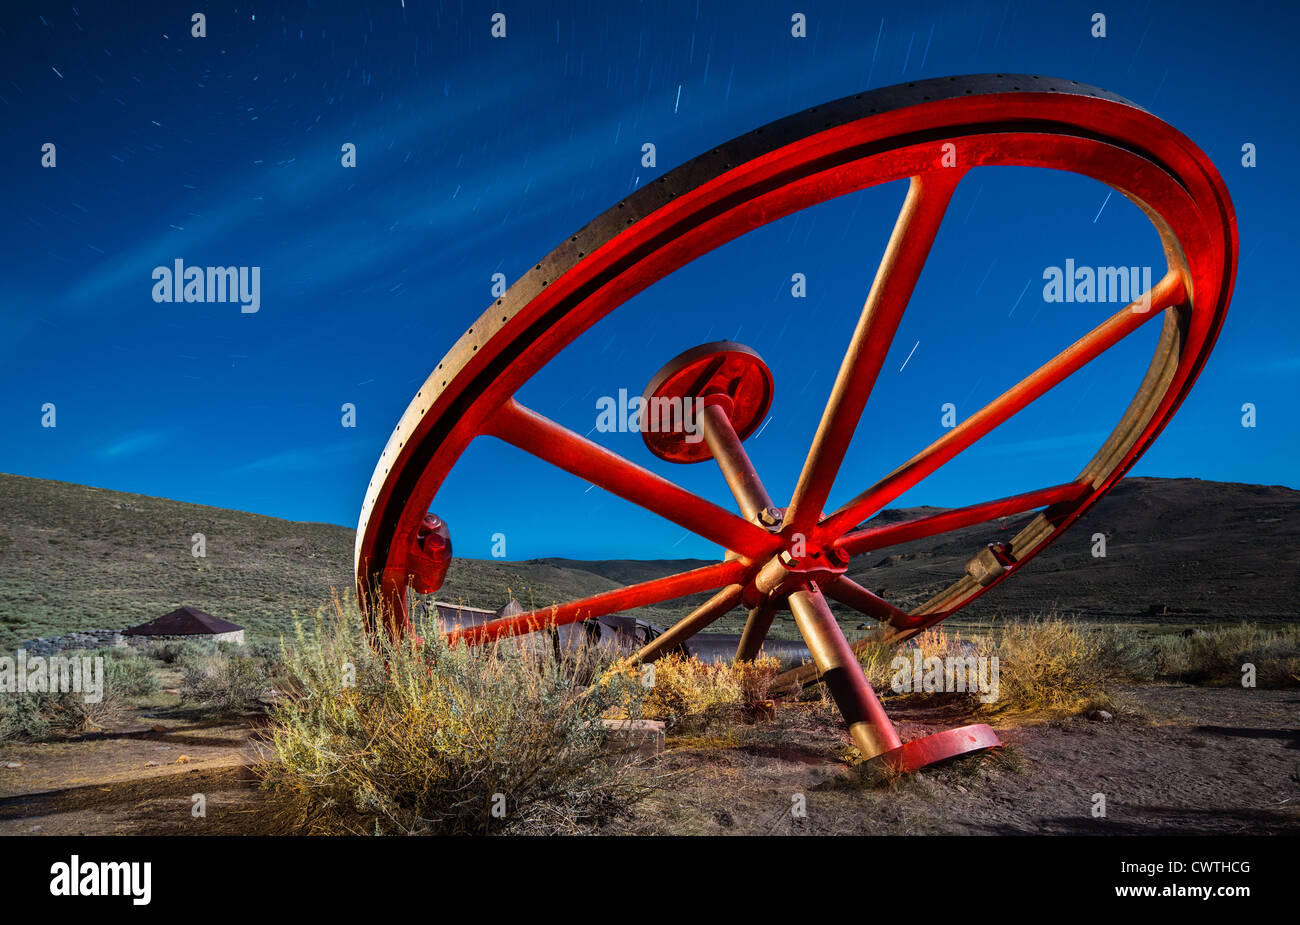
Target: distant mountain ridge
column 74, row 557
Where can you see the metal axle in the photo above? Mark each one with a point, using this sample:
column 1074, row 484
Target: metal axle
column 838, row 666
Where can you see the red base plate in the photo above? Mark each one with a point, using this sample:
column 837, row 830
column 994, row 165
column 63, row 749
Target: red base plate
column 931, row 749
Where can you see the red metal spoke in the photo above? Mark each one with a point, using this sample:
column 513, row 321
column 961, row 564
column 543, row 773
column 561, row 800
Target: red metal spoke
column 543, row 438
column 847, row 591
column 638, row 595
column 688, row 626
column 905, row 255
column 915, row 528
column 1169, row 291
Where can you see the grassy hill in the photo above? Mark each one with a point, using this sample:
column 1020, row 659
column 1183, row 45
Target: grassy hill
column 75, row 557
column 1204, row 551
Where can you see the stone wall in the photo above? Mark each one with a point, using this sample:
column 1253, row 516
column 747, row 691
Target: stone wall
column 104, row 639
column 83, row 639
column 236, row 636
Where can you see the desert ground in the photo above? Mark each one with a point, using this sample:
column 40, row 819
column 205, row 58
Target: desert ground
column 1174, row 759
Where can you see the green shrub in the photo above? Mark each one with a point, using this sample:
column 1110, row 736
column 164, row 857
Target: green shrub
column 417, row 739
column 876, row 659
column 40, row 715
column 269, row 653
column 21, row 718
column 70, row 713
column 175, row 651
column 1216, row 657
column 129, row 675
column 223, row 683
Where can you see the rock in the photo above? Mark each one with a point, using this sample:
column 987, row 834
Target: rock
column 159, row 728
column 151, row 764
column 12, row 765
column 1100, row 716
column 171, row 690
column 637, row 738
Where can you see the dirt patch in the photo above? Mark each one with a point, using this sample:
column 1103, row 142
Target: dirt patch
column 1177, row 760
column 139, row 779
column 1182, row 760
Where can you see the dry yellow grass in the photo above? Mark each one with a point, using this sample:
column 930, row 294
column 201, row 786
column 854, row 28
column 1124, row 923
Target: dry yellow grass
column 430, row 739
column 1049, row 667
column 688, row 694
column 1046, row 666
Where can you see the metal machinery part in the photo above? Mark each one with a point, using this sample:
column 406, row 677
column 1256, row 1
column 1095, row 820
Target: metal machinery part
column 897, row 133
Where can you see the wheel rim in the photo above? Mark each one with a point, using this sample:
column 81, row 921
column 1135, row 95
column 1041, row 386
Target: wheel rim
column 827, row 151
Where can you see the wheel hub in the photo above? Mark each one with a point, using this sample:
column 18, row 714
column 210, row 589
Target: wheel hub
column 785, row 572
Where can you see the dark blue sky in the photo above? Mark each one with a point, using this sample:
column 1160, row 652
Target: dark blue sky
column 479, row 155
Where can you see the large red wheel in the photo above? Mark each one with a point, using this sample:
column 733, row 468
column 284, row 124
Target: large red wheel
column 872, row 138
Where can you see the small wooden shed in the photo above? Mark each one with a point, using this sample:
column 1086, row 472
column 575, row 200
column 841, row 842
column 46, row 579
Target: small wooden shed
column 187, row 623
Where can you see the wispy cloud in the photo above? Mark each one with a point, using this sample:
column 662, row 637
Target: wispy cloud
column 307, row 458
column 1055, row 444
column 131, row 446
column 1283, row 366
column 238, row 203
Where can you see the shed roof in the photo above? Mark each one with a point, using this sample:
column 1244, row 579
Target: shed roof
column 183, row 621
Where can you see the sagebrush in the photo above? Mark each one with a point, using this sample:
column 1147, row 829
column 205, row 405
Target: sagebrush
column 687, row 694
column 34, row 716
column 383, row 736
